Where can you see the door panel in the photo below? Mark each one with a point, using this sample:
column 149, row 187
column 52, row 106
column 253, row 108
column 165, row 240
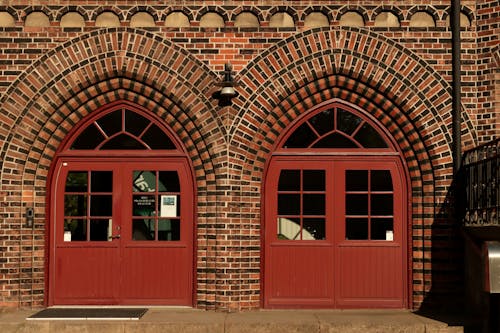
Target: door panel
column 354, row 253
column 123, row 233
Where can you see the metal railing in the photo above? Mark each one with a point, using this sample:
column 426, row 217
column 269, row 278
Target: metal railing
column 481, row 176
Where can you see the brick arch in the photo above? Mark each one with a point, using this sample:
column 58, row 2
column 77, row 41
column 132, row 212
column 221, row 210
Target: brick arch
column 142, row 9
column 107, row 9
column 247, row 9
column 431, row 10
column 388, row 8
column 43, row 9
column 395, row 72
column 282, row 9
column 12, row 11
column 186, row 11
column 71, row 9
column 353, row 8
column 60, row 79
column 72, row 80
column 403, row 92
column 321, row 9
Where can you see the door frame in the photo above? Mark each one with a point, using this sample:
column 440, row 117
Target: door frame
column 53, row 180
column 331, row 157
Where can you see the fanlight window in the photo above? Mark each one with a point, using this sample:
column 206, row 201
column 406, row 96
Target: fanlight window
column 122, row 129
column 335, row 127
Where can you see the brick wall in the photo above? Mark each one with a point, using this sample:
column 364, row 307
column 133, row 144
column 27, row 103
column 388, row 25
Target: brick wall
column 51, row 77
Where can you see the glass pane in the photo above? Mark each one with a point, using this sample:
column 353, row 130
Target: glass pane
column 144, row 181
column 155, row 138
column 101, row 181
column 76, row 181
column 381, row 180
column 123, row 141
column 356, row 204
column 99, row 230
column 169, row 229
column 111, row 123
column 143, row 229
column 314, row 229
column 381, row 204
column 356, row 228
column 382, row 229
column 323, row 122
column 301, row 138
column 90, row 138
column 288, row 228
column 169, row 181
column 368, row 137
column 101, row 205
column 335, row 140
column 288, row 204
column 75, row 205
column 169, row 206
column 77, row 229
column 314, row 204
column 144, row 205
column 347, row 122
column 135, row 123
column 356, row 180
column 289, row 180
column 314, row 180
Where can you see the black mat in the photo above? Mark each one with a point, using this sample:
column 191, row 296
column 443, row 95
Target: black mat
column 89, row 314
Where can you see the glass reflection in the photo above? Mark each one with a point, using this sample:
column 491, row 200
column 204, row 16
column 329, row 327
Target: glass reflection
column 143, row 229
column 77, row 229
column 288, row 228
column 76, row 181
column 314, row 229
column 169, row 229
column 75, row 205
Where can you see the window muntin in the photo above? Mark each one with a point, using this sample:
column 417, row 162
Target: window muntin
column 122, row 129
column 156, row 206
column 301, row 205
column 88, row 205
column 369, row 205
column 335, row 127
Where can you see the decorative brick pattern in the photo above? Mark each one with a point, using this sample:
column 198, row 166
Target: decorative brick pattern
column 52, row 77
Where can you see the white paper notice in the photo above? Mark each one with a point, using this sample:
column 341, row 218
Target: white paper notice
column 389, row 235
column 168, row 206
column 67, row 236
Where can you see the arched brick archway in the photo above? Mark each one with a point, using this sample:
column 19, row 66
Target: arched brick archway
column 76, row 78
column 394, row 85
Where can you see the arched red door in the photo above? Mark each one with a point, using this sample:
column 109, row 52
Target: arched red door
column 335, row 215
column 121, row 214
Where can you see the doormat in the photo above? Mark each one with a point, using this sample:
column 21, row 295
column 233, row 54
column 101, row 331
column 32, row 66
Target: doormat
column 89, row 314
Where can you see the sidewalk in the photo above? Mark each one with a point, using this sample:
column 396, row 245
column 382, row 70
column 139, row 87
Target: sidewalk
column 168, row 320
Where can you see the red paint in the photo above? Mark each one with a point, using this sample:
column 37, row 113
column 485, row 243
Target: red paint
column 335, row 272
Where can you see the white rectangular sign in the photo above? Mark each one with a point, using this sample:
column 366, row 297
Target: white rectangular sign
column 168, row 206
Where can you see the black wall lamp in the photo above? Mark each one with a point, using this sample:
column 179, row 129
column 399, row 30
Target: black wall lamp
column 227, row 91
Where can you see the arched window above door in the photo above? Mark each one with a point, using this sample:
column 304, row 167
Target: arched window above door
column 336, row 126
column 122, row 127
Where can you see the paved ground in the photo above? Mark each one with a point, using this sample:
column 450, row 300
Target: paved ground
column 168, row 320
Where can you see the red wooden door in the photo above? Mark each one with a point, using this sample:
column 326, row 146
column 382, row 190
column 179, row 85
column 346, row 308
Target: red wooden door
column 122, row 232
column 335, row 233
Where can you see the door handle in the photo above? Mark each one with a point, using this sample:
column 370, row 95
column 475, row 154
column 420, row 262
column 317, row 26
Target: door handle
column 114, row 237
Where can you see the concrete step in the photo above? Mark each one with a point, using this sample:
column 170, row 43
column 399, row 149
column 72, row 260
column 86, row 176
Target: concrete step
column 168, row 320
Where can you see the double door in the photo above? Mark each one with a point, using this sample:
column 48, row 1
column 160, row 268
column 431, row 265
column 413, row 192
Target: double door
column 335, row 233
column 121, row 232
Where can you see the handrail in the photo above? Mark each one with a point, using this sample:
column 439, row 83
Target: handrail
column 481, row 177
